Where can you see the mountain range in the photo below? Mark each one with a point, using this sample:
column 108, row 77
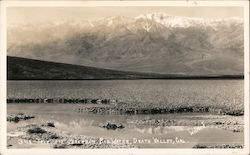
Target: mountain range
column 149, row 43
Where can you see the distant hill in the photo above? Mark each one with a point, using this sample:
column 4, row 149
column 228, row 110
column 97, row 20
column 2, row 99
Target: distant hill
column 30, row 69
column 23, row 68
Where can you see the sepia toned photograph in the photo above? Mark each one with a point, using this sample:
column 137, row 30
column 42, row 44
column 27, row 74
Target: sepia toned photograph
column 119, row 77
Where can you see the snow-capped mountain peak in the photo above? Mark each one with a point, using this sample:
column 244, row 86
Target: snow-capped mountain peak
column 180, row 21
column 170, row 21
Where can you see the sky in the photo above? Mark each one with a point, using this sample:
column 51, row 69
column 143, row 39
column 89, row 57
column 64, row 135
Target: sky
column 47, row 14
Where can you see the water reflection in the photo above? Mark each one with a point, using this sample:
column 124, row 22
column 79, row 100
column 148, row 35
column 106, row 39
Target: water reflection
column 90, row 125
column 163, row 130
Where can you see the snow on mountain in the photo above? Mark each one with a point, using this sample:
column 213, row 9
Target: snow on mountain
column 170, row 21
column 179, row 21
column 154, row 42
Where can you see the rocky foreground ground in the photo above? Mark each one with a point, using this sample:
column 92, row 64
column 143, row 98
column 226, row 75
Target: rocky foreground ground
column 49, row 135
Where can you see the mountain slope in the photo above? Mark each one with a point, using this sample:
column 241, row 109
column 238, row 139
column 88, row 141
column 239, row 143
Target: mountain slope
column 22, row 68
column 153, row 43
column 30, row 69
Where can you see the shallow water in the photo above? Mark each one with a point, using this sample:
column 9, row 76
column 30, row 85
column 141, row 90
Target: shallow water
column 66, row 118
column 210, row 93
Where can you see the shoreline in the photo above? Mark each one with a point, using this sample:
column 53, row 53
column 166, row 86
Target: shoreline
column 109, row 106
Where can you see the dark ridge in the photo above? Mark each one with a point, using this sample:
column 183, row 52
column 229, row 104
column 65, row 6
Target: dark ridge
column 30, row 69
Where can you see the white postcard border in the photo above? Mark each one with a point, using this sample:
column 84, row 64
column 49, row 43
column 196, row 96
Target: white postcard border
column 188, row 3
